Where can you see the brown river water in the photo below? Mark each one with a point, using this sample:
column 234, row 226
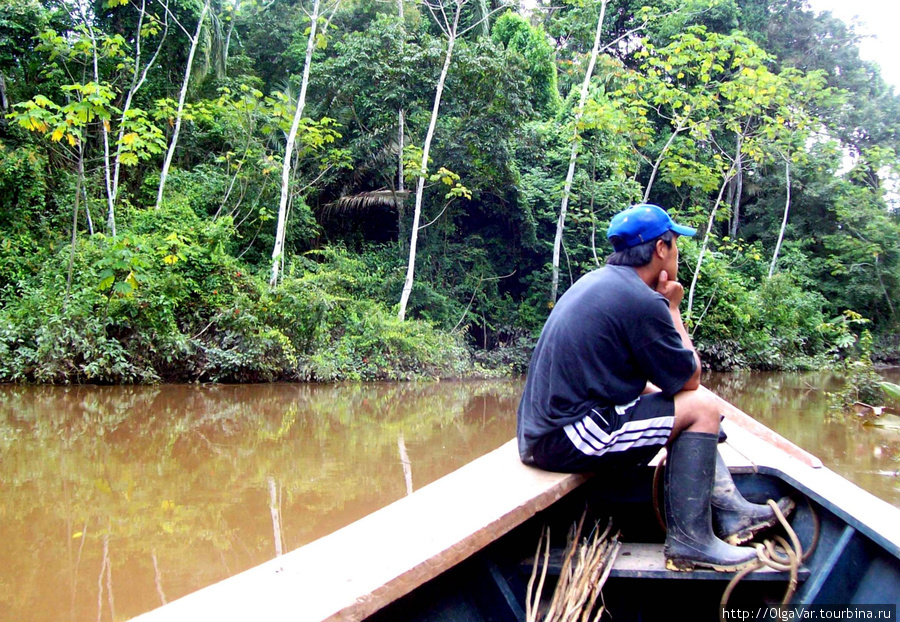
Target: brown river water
column 114, row 500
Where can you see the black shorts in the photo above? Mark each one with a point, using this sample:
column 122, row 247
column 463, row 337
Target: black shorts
column 619, row 436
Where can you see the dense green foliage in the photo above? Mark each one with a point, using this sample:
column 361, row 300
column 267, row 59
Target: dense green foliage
column 711, row 108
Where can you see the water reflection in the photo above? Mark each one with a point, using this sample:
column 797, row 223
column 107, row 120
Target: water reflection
column 796, row 406
column 118, row 499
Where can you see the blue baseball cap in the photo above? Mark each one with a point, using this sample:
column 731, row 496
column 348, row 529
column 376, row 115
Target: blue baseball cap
column 641, row 223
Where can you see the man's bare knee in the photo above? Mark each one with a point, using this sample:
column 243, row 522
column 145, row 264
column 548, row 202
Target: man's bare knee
column 696, row 411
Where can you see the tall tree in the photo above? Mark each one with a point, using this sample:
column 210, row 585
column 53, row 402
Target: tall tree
column 147, row 25
column 705, row 88
column 182, row 95
column 573, row 157
column 68, row 125
column 288, row 162
column 784, row 220
column 80, row 13
column 83, row 47
column 449, row 25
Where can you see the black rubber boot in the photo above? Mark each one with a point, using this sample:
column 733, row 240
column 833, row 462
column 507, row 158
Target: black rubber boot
column 735, row 519
column 690, row 541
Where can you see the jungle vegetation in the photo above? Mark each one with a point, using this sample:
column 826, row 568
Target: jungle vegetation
column 245, row 190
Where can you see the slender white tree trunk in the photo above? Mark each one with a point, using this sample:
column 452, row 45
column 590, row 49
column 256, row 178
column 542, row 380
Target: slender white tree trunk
column 401, row 138
column 107, row 169
column 485, row 18
column 570, row 175
column 4, row 102
column 420, row 183
column 195, row 41
column 709, row 226
column 738, row 191
column 87, row 210
column 784, row 220
column 678, row 129
column 104, row 132
column 289, row 150
column 401, row 184
column 227, row 45
column 79, row 183
column 137, row 82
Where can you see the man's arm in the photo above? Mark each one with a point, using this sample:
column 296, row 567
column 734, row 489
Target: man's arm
column 650, row 388
column 673, row 291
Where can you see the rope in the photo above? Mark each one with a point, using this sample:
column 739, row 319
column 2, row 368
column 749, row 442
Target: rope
column 779, row 555
column 657, row 492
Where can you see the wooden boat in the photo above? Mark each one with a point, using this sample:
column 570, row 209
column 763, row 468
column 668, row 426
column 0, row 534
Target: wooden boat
column 460, row 548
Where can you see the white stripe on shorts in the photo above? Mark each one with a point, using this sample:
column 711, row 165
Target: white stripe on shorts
column 591, row 440
column 623, row 408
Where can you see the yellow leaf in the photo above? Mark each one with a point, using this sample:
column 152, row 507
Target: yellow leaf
column 106, row 124
column 77, row 534
column 57, row 135
column 129, row 138
column 170, row 259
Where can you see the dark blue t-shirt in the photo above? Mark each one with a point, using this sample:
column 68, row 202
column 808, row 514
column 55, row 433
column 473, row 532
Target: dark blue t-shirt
column 605, row 338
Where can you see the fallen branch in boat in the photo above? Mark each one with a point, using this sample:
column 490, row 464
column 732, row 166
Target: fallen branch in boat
column 586, row 566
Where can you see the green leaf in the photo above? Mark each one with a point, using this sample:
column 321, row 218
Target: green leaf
column 891, row 389
column 107, row 277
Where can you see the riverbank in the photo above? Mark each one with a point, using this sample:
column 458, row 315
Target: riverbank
column 71, row 348
column 170, row 300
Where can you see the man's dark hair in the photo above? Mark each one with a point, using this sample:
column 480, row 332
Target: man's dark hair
column 639, row 255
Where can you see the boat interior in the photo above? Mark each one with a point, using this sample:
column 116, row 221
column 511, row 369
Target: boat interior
column 841, row 565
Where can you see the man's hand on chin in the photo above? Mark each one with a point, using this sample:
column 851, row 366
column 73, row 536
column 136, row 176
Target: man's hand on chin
column 673, row 291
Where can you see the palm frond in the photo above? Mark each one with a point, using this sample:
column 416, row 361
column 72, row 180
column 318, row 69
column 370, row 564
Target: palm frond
column 364, row 201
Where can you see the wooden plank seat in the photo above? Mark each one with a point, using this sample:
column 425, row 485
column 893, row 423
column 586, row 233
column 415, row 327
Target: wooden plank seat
column 639, row 560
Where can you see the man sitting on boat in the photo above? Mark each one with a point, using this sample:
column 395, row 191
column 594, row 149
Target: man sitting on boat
column 614, row 378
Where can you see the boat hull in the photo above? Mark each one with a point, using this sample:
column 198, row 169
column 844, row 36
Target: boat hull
column 848, row 568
